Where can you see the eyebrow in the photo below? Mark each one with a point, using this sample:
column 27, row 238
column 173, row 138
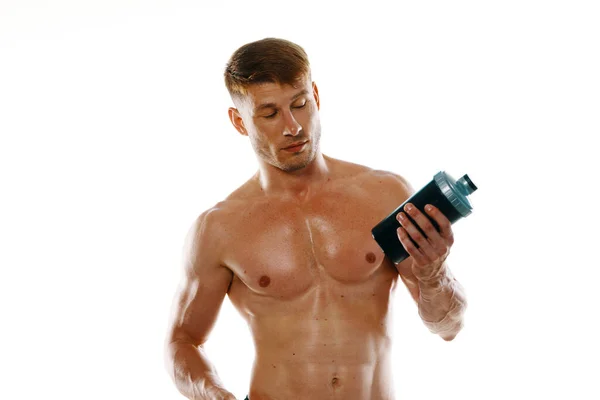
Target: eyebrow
column 273, row 105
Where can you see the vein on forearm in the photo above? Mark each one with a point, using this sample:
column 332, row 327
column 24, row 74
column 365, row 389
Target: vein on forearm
column 442, row 304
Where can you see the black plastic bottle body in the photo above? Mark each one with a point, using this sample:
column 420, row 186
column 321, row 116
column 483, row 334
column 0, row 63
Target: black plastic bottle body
column 385, row 233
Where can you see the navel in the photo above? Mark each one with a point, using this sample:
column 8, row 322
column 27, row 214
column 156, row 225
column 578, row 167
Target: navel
column 335, row 382
column 371, row 257
column 264, row 281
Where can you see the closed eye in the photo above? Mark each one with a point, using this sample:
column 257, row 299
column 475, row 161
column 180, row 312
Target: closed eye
column 300, row 106
column 275, row 112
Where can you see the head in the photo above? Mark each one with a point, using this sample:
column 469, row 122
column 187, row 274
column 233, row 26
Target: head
column 276, row 102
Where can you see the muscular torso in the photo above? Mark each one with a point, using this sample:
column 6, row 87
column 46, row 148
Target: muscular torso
column 314, row 286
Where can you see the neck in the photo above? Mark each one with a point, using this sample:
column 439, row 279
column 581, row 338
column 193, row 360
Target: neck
column 299, row 183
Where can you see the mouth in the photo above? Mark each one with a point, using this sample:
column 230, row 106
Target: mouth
column 296, row 147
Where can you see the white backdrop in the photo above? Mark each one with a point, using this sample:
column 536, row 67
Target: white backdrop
column 115, row 136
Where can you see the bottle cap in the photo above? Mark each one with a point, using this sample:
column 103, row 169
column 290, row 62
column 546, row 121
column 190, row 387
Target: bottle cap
column 456, row 191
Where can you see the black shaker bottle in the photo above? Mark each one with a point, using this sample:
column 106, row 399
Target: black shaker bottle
column 444, row 192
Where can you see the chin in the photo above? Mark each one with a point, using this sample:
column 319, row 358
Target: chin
column 297, row 164
column 291, row 167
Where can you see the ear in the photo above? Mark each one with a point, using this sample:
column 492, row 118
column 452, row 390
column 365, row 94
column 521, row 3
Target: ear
column 316, row 95
column 236, row 119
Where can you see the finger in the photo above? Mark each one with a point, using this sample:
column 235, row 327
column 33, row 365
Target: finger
column 410, row 247
column 416, row 235
column 426, row 225
column 443, row 222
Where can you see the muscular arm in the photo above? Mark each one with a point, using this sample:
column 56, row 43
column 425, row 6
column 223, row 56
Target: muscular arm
column 197, row 303
column 442, row 304
column 442, row 301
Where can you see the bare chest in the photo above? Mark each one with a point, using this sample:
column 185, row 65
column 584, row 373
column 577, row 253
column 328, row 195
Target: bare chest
column 283, row 249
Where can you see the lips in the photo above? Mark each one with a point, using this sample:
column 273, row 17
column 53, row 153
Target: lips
column 296, row 144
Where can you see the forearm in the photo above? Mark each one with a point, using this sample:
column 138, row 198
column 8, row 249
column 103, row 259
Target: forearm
column 442, row 303
column 193, row 374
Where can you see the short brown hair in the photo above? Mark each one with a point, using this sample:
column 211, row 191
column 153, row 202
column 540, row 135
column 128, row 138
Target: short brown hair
column 268, row 60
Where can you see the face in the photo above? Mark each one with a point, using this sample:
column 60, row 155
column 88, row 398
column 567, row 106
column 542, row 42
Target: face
column 275, row 117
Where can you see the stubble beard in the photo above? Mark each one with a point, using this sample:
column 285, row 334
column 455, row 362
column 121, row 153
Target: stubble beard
column 293, row 162
column 299, row 161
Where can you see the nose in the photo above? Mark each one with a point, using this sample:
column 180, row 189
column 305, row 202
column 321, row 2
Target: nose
column 292, row 127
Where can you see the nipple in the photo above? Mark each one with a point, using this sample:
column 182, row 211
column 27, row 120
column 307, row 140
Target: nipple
column 264, row 281
column 370, row 257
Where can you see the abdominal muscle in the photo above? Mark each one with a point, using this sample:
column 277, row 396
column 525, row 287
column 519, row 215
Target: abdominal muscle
column 297, row 364
column 318, row 381
column 340, row 349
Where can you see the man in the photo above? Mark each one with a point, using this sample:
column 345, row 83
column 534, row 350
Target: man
column 292, row 247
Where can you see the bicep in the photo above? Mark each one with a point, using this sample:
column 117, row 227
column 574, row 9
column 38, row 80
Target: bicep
column 203, row 286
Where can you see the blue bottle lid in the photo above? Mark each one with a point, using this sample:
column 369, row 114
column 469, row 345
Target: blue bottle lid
column 456, row 191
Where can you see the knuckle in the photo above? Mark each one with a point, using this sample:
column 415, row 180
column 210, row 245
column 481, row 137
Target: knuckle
column 428, row 228
column 451, row 240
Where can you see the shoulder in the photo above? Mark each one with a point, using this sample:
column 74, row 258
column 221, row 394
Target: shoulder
column 205, row 244
column 218, row 220
column 368, row 174
column 212, row 220
column 376, row 181
column 392, row 181
column 202, row 232
column 237, row 200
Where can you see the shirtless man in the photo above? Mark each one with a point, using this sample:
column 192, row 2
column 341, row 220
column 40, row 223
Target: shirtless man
column 292, row 247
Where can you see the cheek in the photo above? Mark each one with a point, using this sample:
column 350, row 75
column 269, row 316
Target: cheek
column 266, row 127
column 312, row 114
column 312, row 122
column 261, row 139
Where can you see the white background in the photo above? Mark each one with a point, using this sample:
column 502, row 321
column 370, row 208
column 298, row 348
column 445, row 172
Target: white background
column 115, row 136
